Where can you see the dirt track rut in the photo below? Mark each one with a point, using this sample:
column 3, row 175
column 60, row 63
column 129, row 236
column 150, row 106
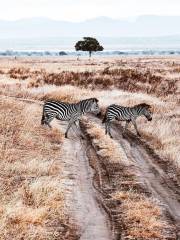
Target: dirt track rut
column 152, row 176
column 150, row 173
column 83, row 198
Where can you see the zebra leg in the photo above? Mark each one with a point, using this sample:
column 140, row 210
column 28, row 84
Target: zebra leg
column 43, row 119
column 125, row 128
column 76, row 123
column 48, row 119
column 109, row 129
column 135, row 126
column 106, row 127
column 71, row 122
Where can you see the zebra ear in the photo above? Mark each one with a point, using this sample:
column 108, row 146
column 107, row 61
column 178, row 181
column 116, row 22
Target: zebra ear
column 145, row 105
column 149, row 106
column 96, row 100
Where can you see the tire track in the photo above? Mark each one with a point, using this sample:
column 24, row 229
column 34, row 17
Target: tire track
column 150, row 173
column 152, row 176
column 84, row 200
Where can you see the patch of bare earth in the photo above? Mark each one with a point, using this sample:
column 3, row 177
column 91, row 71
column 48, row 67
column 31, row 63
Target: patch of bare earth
column 89, row 215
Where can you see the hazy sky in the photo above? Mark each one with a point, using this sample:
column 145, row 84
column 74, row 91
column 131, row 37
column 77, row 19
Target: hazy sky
column 77, row 10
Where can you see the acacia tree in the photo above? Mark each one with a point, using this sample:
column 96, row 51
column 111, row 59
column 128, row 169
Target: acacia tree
column 88, row 44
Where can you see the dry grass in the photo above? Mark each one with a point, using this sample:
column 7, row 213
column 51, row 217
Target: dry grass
column 142, row 218
column 128, row 79
column 19, row 73
column 163, row 135
column 32, row 196
column 28, row 175
column 107, row 148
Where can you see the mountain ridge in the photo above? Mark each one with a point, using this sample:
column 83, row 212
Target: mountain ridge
column 141, row 26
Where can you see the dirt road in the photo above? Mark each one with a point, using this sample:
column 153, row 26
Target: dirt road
column 83, row 198
column 152, row 175
column 149, row 170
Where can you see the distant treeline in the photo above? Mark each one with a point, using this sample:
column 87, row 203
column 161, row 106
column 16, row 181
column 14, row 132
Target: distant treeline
column 104, row 53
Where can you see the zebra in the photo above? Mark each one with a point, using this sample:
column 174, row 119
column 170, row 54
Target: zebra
column 70, row 112
column 128, row 114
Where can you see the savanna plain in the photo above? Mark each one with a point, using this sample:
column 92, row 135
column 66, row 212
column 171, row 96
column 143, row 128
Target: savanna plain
column 99, row 188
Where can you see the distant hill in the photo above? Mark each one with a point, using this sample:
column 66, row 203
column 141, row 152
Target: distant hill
column 145, row 26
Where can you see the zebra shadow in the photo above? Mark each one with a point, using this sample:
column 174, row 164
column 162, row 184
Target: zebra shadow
column 132, row 138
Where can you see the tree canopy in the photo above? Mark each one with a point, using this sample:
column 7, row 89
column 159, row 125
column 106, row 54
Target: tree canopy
column 88, row 44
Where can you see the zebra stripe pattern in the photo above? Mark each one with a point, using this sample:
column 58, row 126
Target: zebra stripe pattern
column 68, row 112
column 128, row 114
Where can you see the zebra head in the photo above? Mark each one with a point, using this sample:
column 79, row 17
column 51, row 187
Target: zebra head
column 146, row 111
column 90, row 106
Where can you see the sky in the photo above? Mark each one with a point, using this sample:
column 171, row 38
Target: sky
column 80, row 10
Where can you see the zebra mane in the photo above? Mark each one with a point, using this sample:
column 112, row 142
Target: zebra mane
column 95, row 99
column 143, row 105
column 90, row 99
column 86, row 103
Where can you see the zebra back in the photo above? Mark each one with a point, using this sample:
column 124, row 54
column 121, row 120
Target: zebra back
column 66, row 111
column 127, row 113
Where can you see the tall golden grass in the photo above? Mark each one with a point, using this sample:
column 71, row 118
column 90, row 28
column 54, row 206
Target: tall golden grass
column 32, row 196
column 141, row 216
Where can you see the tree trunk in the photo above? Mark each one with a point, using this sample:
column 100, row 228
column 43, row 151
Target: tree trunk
column 90, row 54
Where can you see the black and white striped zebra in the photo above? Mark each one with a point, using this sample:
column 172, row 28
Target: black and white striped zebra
column 68, row 111
column 128, row 114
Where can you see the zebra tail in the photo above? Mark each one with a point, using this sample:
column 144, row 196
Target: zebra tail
column 43, row 119
column 104, row 119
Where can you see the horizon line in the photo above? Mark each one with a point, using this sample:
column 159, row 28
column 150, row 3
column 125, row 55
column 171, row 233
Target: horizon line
column 128, row 18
